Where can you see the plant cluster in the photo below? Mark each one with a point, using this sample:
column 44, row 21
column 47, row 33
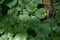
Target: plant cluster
column 25, row 20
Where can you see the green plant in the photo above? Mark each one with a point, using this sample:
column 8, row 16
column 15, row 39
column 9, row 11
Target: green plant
column 22, row 20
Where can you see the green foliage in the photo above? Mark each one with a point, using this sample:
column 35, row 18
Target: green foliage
column 1, row 1
column 22, row 20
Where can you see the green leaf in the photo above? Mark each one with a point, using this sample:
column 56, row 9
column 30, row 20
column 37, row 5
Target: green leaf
column 31, row 7
column 37, row 1
column 44, row 28
column 25, row 12
column 4, row 37
column 24, row 17
column 21, row 36
column 34, row 22
column 5, row 21
column 20, row 4
column 19, row 28
column 40, row 13
column 10, row 3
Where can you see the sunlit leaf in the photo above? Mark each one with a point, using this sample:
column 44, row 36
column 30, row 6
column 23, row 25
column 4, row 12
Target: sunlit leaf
column 40, row 13
column 31, row 7
column 20, row 36
column 24, row 17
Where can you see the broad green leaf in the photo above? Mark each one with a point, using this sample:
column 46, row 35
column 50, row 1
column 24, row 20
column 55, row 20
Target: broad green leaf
column 40, row 13
column 44, row 29
column 24, row 17
column 5, row 21
column 20, row 36
column 20, row 4
column 25, row 12
column 31, row 7
column 10, row 3
column 19, row 28
column 34, row 22
column 4, row 37
column 18, row 8
column 12, row 20
column 12, row 12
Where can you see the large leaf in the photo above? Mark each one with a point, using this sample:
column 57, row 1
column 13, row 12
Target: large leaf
column 20, row 4
column 34, row 22
column 40, row 13
column 20, row 36
column 24, row 17
column 4, row 37
column 44, row 28
column 31, row 7
column 10, row 3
